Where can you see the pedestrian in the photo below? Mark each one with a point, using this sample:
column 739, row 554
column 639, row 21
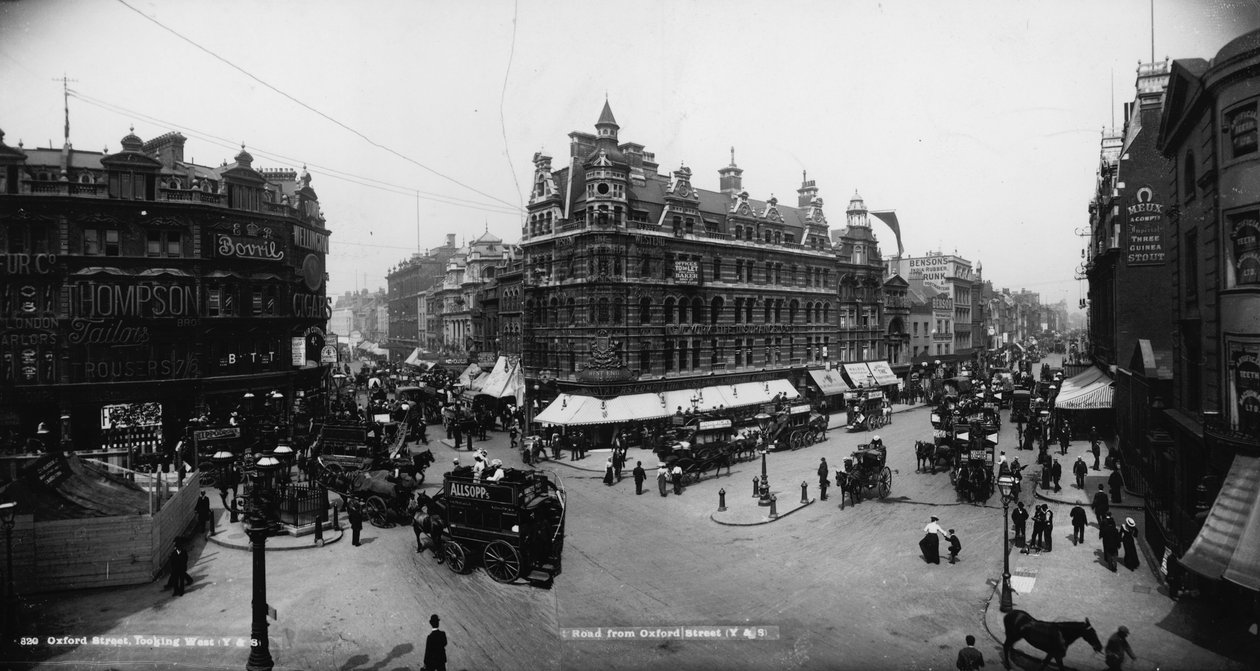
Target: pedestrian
column 1039, row 527
column 204, row 518
column 1079, row 521
column 1128, row 539
column 619, row 461
column 931, row 542
column 1100, row 504
column 955, row 546
column 356, row 521
column 1093, row 445
column 1110, row 540
column 179, row 569
column 1117, row 647
column 513, row 433
column 1115, row 482
column 969, row 658
column 479, row 467
column 608, row 472
column 823, row 482
column 1056, row 472
column 639, row 477
column 676, row 476
column 662, row 478
column 557, row 444
column 1064, row 439
column 1080, row 469
column 1019, row 520
column 1047, row 533
column 435, row 647
column 574, row 448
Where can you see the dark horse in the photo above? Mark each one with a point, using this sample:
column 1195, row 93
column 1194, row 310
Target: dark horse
column 1053, row 638
column 925, row 452
column 428, row 517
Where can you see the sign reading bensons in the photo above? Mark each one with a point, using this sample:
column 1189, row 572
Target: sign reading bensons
column 1145, row 228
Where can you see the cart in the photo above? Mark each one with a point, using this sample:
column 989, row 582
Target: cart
column 976, row 444
column 514, row 527
column 865, row 410
column 795, row 427
column 865, row 475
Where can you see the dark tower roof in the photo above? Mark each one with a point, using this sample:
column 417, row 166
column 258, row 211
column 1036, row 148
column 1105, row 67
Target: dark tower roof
column 606, row 116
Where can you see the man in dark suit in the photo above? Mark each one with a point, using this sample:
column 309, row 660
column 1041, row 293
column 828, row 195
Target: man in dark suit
column 179, row 569
column 356, row 522
column 204, row 517
column 435, row 647
column 1100, row 505
column 1079, row 521
column 969, row 658
column 639, row 476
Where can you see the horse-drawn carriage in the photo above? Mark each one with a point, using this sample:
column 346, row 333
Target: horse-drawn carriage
column 865, row 475
column 940, row 452
column 350, row 447
column 1021, row 405
column 866, row 410
column 795, row 427
column 513, row 527
column 975, row 443
column 701, row 445
column 384, row 496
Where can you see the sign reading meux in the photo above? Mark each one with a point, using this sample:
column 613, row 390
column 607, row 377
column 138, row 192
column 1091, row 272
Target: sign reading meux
column 1145, row 228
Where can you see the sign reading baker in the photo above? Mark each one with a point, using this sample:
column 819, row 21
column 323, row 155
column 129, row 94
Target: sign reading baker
column 1145, row 230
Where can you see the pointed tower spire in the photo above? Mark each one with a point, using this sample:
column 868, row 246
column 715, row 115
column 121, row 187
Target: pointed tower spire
column 729, row 178
column 607, row 126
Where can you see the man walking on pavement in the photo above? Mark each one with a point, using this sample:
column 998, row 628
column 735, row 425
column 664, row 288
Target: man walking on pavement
column 1116, row 483
column 1056, row 472
column 822, row 479
column 1080, row 469
column 1117, row 647
column 662, row 479
column 1079, row 521
column 204, row 516
column 1019, row 520
column 969, row 658
column 435, row 647
column 639, row 477
column 676, row 475
column 1093, row 445
column 1100, row 504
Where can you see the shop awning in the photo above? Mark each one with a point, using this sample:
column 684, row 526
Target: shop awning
column 1090, row 390
column 573, row 409
column 882, row 372
column 830, row 382
column 413, row 359
column 859, row 374
column 1228, row 546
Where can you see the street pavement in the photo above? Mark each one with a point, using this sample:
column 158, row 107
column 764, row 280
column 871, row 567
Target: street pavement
column 821, row 588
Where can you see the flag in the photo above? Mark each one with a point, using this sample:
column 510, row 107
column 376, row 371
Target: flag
column 889, row 217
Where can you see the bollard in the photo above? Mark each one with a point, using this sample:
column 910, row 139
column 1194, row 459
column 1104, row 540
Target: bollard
column 721, row 499
column 335, row 524
column 804, row 492
column 754, row 486
column 773, row 508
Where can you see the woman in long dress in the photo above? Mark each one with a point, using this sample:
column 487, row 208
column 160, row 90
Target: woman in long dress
column 1128, row 538
column 608, row 472
column 931, row 543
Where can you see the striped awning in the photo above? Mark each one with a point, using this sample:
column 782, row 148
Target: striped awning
column 1228, row 546
column 577, row 410
column 829, row 382
column 882, row 372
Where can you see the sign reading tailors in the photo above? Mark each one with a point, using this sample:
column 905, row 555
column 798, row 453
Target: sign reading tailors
column 1145, row 229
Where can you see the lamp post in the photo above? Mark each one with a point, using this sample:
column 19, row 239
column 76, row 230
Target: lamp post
column 1006, row 485
column 223, row 461
column 257, row 509
column 8, row 513
column 763, row 421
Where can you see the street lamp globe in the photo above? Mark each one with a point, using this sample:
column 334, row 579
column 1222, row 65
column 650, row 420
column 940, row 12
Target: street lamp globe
column 8, row 514
column 1005, row 484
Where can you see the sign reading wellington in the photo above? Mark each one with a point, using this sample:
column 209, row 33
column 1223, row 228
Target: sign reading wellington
column 1145, row 228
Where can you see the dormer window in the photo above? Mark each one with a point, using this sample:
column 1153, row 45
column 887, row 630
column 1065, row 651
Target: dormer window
column 131, row 186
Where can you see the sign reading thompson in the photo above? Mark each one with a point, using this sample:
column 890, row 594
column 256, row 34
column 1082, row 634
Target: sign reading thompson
column 1145, row 228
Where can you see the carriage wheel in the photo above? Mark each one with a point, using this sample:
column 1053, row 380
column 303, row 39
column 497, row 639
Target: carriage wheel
column 456, row 558
column 208, row 479
column 885, row 483
column 502, row 562
column 378, row 513
column 333, row 468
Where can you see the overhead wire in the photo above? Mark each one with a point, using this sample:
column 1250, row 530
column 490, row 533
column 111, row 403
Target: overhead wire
column 308, row 107
column 502, row 95
column 326, row 170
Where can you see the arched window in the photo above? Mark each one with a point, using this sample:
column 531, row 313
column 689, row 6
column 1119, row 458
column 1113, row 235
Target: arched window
column 668, row 355
column 617, row 309
column 809, row 313
column 1189, row 181
column 669, row 310
column 717, row 269
column 792, row 309
column 571, row 311
column 602, row 314
column 715, row 309
column 682, row 310
column 529, row 312
column 554, row 316
column 826, row 313
column 645, row 357
column 778, row 311
column 645, row 310
column 697, row 310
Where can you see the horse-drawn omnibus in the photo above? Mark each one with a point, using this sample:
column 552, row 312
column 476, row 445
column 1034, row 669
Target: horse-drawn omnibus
column 513, row 527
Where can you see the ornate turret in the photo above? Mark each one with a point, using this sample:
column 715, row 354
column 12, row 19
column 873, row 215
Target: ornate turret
column 808, row 191
column 607, row 125
column 729, row 178
column 857, row 212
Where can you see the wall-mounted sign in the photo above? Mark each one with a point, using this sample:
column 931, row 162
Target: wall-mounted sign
column 133, row 300
column 312, row 240
column 123, row 415
column 240, row 247
column 313, row 271
column 1244, row 237
column 141, row 368
column 687, row 272
column 1145, row 230
column 221, row 433
column 310, row 306
column 1244, row 358
column 298, row 350
column 28, row 264
column 705, row 329
column 328, row 354
column 106, row 332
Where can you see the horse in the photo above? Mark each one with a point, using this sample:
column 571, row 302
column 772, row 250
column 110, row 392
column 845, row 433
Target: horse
column 925, row 452
column 428, row 517
column 1053, row 638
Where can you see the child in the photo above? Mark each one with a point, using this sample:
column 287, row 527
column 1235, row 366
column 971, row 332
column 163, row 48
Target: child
column 954, row 547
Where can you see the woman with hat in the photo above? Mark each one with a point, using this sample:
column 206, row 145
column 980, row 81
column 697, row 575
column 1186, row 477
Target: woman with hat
column 931, row 543
column 1128, row 538
column 608, row 472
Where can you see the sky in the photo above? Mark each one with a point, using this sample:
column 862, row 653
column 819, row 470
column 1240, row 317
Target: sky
column 978, row 122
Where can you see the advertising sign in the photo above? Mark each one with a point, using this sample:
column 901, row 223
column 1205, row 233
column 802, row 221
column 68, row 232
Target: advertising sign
column 1244, row 238
column 1244, row 358
column 328, row 354
column 241, row 247
column 298, row 349
column 1145, row 230
column 687, row 272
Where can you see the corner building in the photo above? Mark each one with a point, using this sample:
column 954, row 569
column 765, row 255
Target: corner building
column 639, row 283
column 135, row 278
